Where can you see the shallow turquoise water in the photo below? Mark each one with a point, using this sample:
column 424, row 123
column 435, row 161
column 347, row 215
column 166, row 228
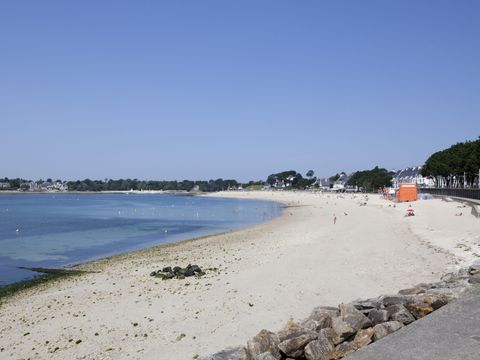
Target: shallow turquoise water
column 45, row 230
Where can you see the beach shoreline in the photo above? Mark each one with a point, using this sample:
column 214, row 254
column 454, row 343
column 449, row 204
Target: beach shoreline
column 265, row 275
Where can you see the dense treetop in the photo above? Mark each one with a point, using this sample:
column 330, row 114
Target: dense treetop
column 370, row 180
column 292, row 179
column 457, row 159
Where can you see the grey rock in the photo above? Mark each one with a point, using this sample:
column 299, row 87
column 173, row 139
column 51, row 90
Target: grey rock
column 367, row 305
column 264, row 341
column 265, row 356
column 378, row 316
column 394, row 300
column 292, row 330
column 355, row 318
column 323, row 315
column 312, row 325
column 400, row 313
column 331, row 335
column 382, row 330
column 474, row 279
column 294, row 347
column 236, row 353
column 412, row 291
column 342, row 329
column 474, row 268
column 320, row 349
column 362, row 339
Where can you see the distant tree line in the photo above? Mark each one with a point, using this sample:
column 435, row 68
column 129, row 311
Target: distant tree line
column 135, row 184
column 125, row 184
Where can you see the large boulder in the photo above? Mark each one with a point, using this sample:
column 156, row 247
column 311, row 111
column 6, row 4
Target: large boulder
column 353, row 317
column 378, row 316
column 419, row 309
column 474, row 268
column 322, row 315
column 265, row 356
column 236, row 353
column 395, row 300
column 384, row 329
column 294, row 347
column 436, row 300
column 292, row 330
column 320, row 349
column 264, row 341
column 342, row 329
column 400, row 313
column 474, row 279
column 362, row 339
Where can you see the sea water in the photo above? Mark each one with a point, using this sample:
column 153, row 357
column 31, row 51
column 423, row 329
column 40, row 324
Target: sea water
column 54, row 230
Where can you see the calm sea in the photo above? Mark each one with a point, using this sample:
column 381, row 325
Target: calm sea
column 46, row 230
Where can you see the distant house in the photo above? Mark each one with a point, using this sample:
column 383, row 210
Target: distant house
column 323, row 183
column 4, row 185
column 411, row 175
column 341, row 183
column 285, row 183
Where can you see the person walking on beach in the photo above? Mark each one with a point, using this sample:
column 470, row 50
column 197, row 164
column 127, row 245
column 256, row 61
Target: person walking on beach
column 334, row 219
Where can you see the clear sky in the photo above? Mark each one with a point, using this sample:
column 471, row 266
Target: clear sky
column 233, row 89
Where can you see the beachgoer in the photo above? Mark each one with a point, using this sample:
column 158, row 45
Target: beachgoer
column 334, row 219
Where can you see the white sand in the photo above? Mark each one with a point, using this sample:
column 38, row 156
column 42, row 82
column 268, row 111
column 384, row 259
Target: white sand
column 267, row 274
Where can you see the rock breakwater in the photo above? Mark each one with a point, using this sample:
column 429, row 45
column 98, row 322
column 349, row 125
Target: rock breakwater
column 331, row 333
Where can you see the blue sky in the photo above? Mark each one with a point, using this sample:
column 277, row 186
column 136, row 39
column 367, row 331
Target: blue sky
column 233, row 89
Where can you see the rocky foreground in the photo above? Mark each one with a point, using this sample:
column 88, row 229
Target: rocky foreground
column 334, row 332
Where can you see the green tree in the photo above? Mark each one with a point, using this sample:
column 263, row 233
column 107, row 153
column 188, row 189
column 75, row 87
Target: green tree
column 371, row 180
column 459, row 159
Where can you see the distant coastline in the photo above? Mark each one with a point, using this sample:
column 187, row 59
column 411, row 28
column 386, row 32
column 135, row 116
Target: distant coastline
column 136, row 192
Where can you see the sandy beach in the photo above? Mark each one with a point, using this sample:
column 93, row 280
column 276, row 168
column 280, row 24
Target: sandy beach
column 264, row 276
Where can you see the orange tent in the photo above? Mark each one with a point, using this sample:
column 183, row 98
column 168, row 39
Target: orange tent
column 407, row 192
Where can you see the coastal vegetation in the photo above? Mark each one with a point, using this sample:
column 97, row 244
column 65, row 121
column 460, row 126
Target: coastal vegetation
column 370, row 180
column 291, row 179
column 11, row 289
column 461, row 160
column 135, row 184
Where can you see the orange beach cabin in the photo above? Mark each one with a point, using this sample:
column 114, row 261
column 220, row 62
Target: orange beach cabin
column 407, row 192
